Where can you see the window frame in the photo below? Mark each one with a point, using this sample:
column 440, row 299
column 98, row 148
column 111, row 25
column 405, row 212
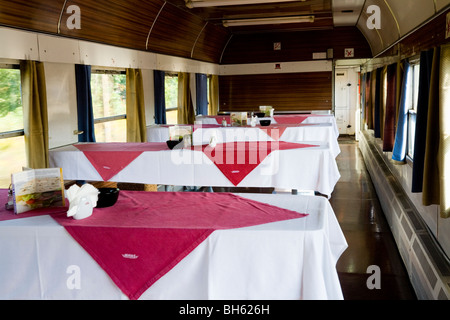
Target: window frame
column 18, row 132
column 96, row 70
column 412, row 108
column 174, row 75
column 14, row 136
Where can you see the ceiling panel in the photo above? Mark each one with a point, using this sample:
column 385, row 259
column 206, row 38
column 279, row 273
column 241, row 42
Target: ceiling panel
column 121, row 23
column 372, row 35
column 321, row 9
column 441, row 4
column 31, row 14
column 174, row 32
column 347, row 12
column 388, row 32
column 409, row 13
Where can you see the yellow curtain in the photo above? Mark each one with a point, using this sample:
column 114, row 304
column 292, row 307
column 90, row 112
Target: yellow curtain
column 213, row 106
column 186, row 113
column 431, row 185
column 136, row 127
column 444, row 126
column 34, row 100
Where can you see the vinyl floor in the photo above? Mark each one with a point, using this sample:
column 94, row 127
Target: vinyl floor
column 370, row 241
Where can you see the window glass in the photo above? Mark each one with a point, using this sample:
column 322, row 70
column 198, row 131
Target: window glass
column 12, row 149
column 11, row 115
column 109, row 100
column 411, row 133
column 171, row 96
column 412, row 99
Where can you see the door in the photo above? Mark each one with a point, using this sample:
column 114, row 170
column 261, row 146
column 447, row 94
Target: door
column 345, row 99
column 341, row 100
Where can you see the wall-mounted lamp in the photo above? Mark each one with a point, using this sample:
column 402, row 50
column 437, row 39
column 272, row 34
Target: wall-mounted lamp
column 262, row 21
column 218, row 3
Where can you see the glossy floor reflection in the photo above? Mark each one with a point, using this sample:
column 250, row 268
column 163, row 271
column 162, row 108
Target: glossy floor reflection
column 370, row 242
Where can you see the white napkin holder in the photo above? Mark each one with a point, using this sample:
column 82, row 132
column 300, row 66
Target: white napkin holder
column 82, row 201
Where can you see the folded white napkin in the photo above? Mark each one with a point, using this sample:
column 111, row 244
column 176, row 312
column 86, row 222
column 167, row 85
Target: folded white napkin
column 213, row 139
column 82, row 200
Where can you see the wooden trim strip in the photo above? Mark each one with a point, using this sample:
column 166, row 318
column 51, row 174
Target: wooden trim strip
column 153, row 24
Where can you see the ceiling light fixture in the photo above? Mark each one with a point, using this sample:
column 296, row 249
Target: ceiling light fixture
column 263, row 21
column 218, row 3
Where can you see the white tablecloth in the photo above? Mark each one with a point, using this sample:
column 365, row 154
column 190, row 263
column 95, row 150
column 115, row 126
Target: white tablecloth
column 294, row 259
column 311, row 119
column 313, row 132
column 302, row 169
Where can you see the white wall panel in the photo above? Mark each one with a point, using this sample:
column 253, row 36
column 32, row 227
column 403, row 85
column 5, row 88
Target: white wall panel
column 146, row 60
column 285, row 67
column 171, row 63
column 61, row 103
column 149, row 96
column 57, row 49
column 17, row 44
column 107, row 56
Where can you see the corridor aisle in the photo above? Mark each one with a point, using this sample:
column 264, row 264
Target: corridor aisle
column 370, row 242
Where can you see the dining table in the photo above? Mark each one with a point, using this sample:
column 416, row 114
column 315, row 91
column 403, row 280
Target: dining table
column 175, row 246
column 271, row 164
column 307, row 118
column 203, row 133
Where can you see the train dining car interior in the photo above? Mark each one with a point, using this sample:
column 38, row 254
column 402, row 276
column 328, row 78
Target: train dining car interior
column 225, row 150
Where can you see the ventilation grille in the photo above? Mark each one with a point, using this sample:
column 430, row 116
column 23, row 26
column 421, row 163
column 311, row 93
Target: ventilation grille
column 428, row 268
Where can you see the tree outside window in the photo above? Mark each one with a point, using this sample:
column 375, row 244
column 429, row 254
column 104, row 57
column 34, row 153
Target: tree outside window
column 12, row 143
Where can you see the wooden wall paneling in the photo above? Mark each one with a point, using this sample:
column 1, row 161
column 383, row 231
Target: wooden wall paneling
column 175, row 32
column 295, row 46
column 349, row 37
column 38, row 15
column 285, row 92
column 211, row 43
column 114, row 22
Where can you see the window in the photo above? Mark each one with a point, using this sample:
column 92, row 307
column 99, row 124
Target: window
column 12, row 142
column 171, row 96
column 412, row 99
column 109, row 103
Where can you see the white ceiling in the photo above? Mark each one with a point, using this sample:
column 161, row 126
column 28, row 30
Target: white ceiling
column 397, row 18
column 346, row 12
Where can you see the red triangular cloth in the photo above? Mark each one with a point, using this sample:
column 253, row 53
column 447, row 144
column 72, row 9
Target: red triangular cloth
column 274, row 131
column 293, row 119
column 145, row 234
column 112, row 157
column 237, row 159
column 297, row 119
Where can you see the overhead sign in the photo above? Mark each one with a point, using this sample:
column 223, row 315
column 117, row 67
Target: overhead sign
column 349, row 52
